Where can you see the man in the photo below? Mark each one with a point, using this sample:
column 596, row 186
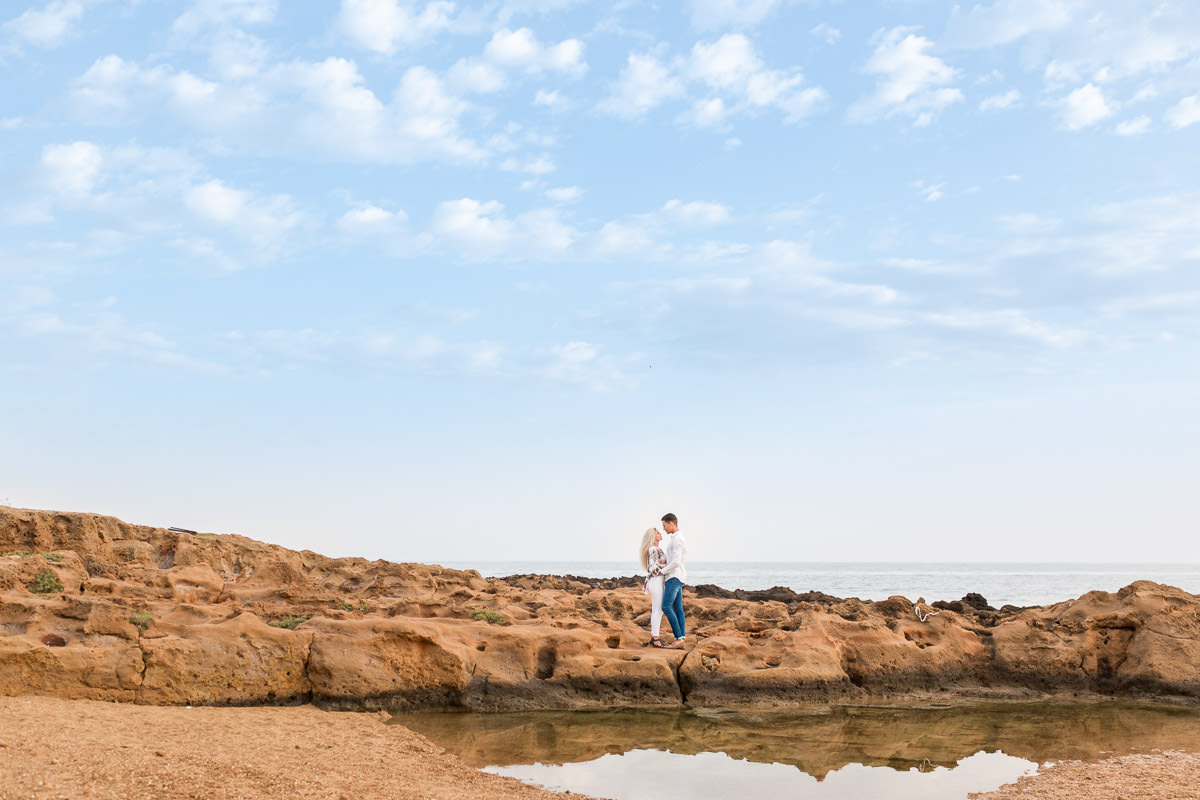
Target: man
column 676, row 575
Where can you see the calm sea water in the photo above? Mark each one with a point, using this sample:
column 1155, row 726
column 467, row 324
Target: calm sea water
column 1000, row 583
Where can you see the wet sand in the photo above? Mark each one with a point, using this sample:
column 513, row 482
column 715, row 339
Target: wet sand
column 52, row 749
column 1156, row 776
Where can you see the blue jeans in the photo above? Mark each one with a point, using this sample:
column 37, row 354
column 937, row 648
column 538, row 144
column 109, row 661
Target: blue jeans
column 673, row 606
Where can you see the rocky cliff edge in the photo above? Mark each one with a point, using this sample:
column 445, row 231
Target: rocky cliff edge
column 92, row 607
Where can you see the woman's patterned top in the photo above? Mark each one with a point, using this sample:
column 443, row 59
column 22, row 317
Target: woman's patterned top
column 656, row 562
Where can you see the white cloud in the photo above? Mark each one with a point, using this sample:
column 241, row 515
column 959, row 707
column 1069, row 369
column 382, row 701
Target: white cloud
column 96, row 334
column 676, row 286
column 371, row 220
column 481, row 230
column 912, row 81
column 548, row 98
column 1010, row 322
column 207, row 16
column 516, row 51
column 49, row 26
column 319, row 109
column 644, row 84
column 1083, row 107
column 207, row 13
column 274, row 350
column 1027, row 223
column 23, row 298
column 263, row 222
column 930, row 191
column 1184, row 113
column 1082, row 39
column 1133, row 127
column 512, row 8
column 1001, row 101
column 732, row 73
column 71, row 169
column 715, row 14
column 708, row 113
column 158, row 200
column 566, row 194
column 478, row 226
column 387, row 25
column 827, row 33
column 1005, row 21
column 624, row 238
column 542, row 165
column 521, row 50
column 696, row 212
column 581, row 363
column 731, row 67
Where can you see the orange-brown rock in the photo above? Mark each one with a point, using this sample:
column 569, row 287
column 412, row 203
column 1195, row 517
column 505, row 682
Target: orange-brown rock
column 166, row 617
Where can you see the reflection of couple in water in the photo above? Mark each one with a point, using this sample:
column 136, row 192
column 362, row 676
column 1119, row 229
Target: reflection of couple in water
column 663, row 555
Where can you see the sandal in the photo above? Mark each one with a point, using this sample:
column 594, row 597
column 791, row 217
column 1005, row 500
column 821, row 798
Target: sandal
column 657, row 642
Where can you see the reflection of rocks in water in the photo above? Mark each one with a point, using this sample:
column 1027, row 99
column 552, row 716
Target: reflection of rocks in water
column 821, row 741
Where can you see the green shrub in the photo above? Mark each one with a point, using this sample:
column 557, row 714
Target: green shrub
column 491, row 617
column 141, row 620
column 46, row 583
column 55, row 558
column 18, row 553
column 364, row 608
column 288, row 622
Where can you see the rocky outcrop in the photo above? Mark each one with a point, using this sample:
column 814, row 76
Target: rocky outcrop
column 92, row 607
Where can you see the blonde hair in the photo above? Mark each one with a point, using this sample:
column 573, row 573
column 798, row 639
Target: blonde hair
column 647, row 541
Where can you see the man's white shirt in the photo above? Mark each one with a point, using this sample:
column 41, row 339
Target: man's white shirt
column 676, row 551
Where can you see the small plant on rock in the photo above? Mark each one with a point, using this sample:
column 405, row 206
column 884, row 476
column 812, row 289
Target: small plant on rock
column 141, row 620
column 489, row 616
column 288, row 622
column 46, row 583
column 54, row 558
column 17, row 553
column 363, row 607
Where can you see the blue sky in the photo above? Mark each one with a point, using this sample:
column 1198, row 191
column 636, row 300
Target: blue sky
column 438, row 281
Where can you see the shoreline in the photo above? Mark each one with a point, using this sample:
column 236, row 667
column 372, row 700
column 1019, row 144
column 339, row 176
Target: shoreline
column 55, row 749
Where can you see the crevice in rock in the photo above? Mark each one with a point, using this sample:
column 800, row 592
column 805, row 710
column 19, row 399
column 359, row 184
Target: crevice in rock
column 547, row 660
column 683, row 694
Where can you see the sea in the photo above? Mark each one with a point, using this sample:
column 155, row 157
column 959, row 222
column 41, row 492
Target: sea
column 1018, row 584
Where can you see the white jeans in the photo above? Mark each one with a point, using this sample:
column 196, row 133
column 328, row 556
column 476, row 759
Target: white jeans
column 655, row 585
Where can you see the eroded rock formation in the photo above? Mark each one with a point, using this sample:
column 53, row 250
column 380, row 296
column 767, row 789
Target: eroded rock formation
column 150, row 615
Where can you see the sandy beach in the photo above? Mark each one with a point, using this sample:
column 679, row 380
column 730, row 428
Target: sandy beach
column 1155, row 776
column 53, row 749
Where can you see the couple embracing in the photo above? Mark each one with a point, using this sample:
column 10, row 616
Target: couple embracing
column 663, row 555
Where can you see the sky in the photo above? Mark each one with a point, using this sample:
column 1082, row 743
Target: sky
column 882, row 280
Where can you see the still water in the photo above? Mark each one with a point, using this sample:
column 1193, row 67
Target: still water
column 854, row 753
column 1019, row 584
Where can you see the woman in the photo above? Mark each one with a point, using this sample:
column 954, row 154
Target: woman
column 654, row 560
